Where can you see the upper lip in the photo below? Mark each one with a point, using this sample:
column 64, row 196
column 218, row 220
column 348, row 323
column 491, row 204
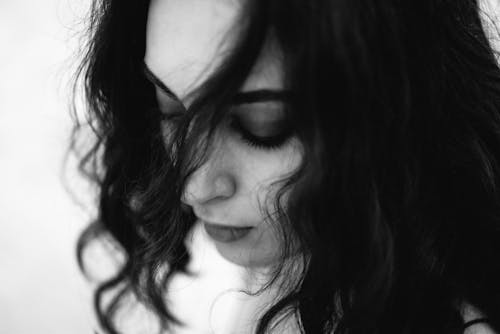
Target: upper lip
column 223, row 225
column 229, row 226
column 219, row 224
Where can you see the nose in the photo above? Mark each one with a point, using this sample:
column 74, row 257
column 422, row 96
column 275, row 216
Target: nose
column 209, row 184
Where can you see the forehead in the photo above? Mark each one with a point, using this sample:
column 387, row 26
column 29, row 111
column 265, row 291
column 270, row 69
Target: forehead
column 187, row 39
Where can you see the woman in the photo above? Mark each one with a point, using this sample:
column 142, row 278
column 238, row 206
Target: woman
column 349, row 149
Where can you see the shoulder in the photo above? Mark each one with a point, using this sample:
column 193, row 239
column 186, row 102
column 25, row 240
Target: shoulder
column 474, row 321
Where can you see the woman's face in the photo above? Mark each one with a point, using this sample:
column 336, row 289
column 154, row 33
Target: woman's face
column 186, row 41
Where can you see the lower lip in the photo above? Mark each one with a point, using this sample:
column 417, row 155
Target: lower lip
column 226, row 234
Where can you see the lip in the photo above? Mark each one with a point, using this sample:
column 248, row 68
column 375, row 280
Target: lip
column 225, row 233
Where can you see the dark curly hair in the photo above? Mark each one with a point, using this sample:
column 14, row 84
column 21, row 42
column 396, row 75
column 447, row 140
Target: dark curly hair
column 396, row 203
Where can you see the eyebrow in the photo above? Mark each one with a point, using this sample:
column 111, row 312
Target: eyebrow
column 246, row 97
column 262, row 95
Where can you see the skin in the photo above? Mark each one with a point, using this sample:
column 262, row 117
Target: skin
column 186, row 40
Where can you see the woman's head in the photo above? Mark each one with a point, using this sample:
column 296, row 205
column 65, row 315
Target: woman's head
column 253, row 147
column 361, row 135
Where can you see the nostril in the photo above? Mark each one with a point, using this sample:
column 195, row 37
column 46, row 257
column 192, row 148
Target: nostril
column 187, row 213
column 186, row 208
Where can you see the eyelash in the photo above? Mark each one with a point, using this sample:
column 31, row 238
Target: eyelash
column 258, row 142
column 263, row 143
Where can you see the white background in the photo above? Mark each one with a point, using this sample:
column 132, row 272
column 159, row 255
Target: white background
column 41, row 289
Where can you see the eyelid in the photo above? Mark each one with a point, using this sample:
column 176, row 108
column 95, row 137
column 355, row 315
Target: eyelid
column 259, row 128
column 270, row 142
column 273, row 127
column 267, row 109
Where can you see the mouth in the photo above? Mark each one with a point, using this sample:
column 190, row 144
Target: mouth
column 226, row 234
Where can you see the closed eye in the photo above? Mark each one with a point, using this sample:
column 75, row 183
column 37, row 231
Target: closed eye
column 266, row 137
column 256, row 115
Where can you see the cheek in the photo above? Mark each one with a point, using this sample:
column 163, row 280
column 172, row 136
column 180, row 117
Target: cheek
column 262, row 171
column 259, row 174
column 256, row 171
